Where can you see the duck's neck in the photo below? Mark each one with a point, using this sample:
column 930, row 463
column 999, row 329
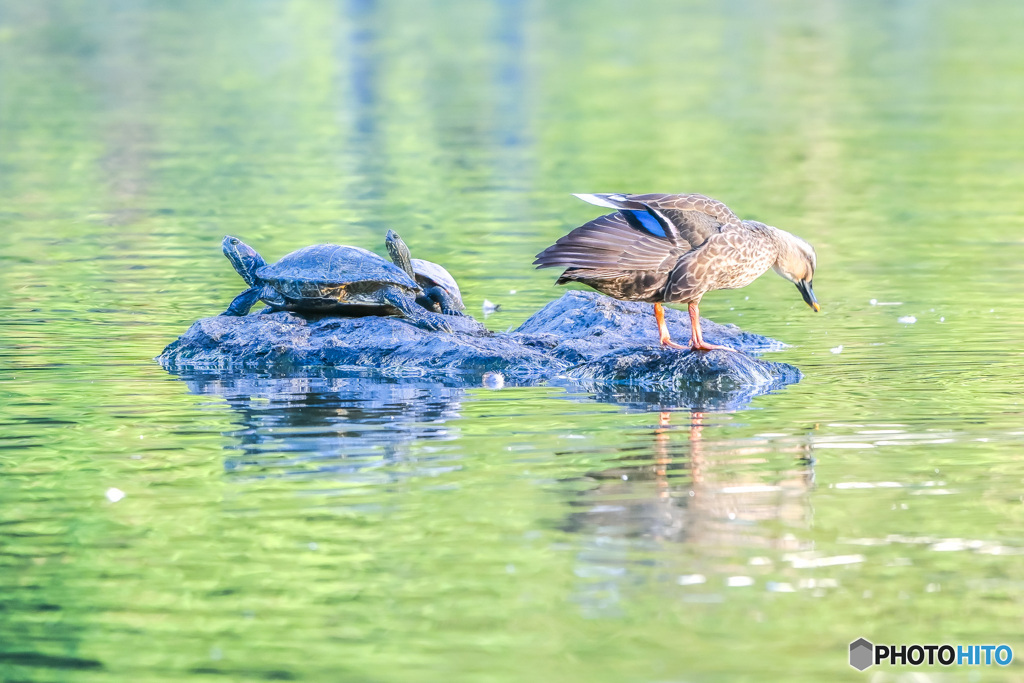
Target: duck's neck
column 777, row 239
column 787, row 251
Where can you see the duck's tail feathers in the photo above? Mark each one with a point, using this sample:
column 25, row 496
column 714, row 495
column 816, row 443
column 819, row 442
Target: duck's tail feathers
column 586, row 275
column 599, row 243
column 609, row 201
column 612, row 242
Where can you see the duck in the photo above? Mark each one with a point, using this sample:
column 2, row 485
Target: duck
column 675, row 248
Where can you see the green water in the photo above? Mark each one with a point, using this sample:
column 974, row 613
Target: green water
column 335, row 528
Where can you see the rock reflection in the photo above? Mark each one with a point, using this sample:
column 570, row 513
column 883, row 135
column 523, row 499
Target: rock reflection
column 326, row 423
column 714, row 396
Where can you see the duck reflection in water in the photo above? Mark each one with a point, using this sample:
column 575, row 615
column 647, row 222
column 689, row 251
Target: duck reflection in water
column 722, row 499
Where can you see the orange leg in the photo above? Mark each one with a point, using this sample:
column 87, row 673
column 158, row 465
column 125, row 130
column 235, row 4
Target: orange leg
column 697, row 342
column 666, row 339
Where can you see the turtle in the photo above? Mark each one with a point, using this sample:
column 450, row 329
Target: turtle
column 327, row 278
column 440, row 291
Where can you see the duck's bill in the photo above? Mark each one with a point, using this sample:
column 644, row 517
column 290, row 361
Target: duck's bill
column 808, row 294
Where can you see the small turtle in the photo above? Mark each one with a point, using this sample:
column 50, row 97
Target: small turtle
column 440, row 291
column 327, row 278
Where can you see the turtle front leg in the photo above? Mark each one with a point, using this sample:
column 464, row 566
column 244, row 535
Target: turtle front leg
column 428, row 303
column 414, row 312
column 447, row 303
column 241, row 304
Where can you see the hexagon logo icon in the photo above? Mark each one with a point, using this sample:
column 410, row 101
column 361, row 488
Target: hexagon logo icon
column 862, row 654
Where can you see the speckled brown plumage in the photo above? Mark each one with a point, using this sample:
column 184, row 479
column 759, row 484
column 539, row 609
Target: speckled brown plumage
column 676, row 248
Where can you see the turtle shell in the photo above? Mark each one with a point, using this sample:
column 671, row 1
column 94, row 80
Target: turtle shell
column 429, row 274
column 330, row 271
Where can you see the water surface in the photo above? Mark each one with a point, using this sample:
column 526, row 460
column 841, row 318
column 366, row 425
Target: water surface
column 334, row 527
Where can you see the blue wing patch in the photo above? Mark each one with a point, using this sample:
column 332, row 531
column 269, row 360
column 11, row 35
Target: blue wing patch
column 645, row 221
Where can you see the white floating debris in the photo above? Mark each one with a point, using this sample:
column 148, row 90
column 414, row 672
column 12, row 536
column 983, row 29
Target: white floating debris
column 837, row 349
column 114, row 495
column 511, row 291
column 952, row 544
column 313, row 545
column 908, row 319
column 780, row 587
column 490, row 307
column 865, row 541
column 942, row 319
column 873, row 302
column 493, row 380
column 738, row 581
column 816, row 562
column 691, row 579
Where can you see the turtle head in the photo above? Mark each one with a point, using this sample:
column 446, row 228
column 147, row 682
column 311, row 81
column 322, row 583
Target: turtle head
column 243, row 257
column 399, row 252
column 796, row 263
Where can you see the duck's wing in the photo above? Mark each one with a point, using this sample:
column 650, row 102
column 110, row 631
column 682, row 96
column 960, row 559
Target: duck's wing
column 692, row 218
column 614, row 244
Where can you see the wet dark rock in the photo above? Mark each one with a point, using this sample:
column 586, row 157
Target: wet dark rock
column 583, row 339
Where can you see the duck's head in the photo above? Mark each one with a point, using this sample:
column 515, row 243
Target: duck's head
column 796, row 263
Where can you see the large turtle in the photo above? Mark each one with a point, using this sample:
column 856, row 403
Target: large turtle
column 327, row 278
column 440, row 291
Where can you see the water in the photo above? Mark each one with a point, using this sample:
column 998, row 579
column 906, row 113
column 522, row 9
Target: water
column 332, row 527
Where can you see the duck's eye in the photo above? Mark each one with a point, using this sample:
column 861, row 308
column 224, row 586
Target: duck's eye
column 234, row 240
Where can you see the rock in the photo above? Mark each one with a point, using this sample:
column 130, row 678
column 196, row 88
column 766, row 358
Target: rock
column 581, row 339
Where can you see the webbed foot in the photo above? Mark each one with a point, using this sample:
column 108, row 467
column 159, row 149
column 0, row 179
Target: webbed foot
column 414, row 313
column 701, row 345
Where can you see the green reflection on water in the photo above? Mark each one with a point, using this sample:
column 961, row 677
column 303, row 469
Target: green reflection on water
column 292, row 530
